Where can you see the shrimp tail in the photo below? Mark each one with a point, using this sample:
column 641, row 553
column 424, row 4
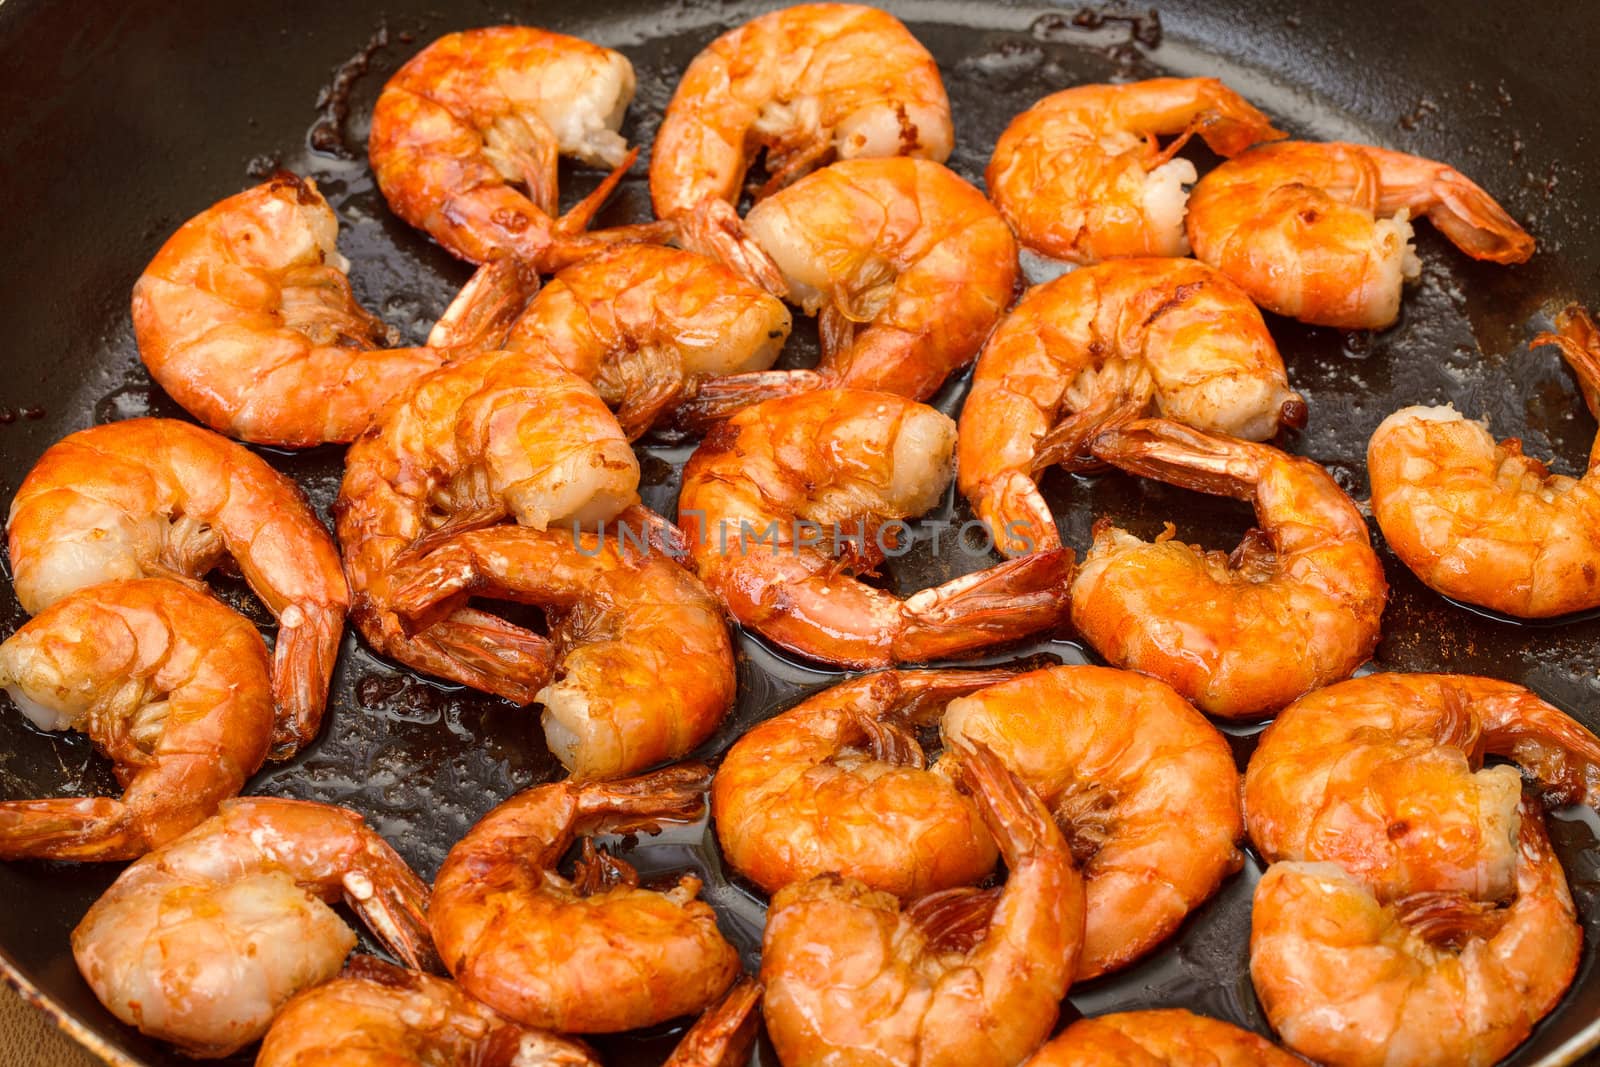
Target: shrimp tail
column 657, row 533
column 1183, row 456
column 672, row 794
column 1232, row 124
column 1475, row 223
column 570, row 237
column 486, row 652
column 915, row 695
column 1017, row 818
column 482, row 314
column 955, row 920
column 1017, row 515
column 302, row 667
column 716, row 399
column 1552, row 747
column 1017, row 597
column 724, row 1034
column 713, row 229
column 69, row 828
column 1579, row 340
column 577, row 219
column 1067, row 443
column 389, row 897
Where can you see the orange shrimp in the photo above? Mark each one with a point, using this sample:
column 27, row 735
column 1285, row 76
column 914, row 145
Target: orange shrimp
column 1081, row 177
column 1296, row 225
column 161, row 498
column 765, row 489
column 466, row 135
column 169, row 683
column 1170, row 1038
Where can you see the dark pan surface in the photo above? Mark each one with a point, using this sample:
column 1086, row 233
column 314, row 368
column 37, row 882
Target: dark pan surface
column 122, row 121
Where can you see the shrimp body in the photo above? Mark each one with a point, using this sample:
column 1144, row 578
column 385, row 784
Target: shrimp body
column 161, row 498
column 495, row 435
column 1384, row 776
column 964, row 978
column 908, row 266
column 1100, row 345
column 202, row 941
column 1298, row 226
column 1296, row 606
column 1479, row 521
column 647, row 324
column 838, row 784
column 595, row 955
column 641, row 664
column 169, row 683
column 245, row 316
column 807, row 84
column 1107, row 751
column 767, row 490
column 1166, row 1038
column 1080, row 175
column 465, row 139
column 1350, row 979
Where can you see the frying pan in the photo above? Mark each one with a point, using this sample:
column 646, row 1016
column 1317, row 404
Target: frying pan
column 123, row 120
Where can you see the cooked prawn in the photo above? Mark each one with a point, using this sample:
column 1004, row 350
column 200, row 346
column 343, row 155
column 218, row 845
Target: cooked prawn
column 838, row 784
column 1108, row 752
column 908, row 266
column 466, row 135
column 641, row 666
column 963, row 978
column 169, row 683
column 647, row 324
column 245, row 316
column 1351, row 980
column 1082, row 178
column 1098, row 346
column 496, row 434
column 594, row 955
column 1296, row 606
column 1384, row 776
column 161, row 498
column 766, row 489
column 202, row 941
column 1297, row 226
column 1167, row 1038
column 1479, row 521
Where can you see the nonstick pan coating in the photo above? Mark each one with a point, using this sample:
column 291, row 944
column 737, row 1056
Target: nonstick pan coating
column 124, row 120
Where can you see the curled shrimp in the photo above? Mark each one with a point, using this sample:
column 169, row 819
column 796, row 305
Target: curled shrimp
column 641, row 666
column 766, row 490
column 1297, row 226
column 161, row 498
column 466, row 135
column 201, row 941
column 1352, row 980
column 1098, row 346
column 1384, row 776
column 497, row 434
column 908, row 266
column 597, row 954
column 1107, row 751
column 1166, row 1038
column 839, row 784
column 1082, row 178
column 169, row 683
column 647, row 324
column 1479, row 521
column 963, row 978
column 245, row 316
column 1295, row 606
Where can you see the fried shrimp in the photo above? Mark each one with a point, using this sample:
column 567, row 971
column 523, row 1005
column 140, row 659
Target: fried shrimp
column 466, row 135
column 647, row 324
column 1111, row 753
column 766, row 491
column 839, row 784
column 1169, row 1038
column 161, row 498
column 246, row 318
column 1296, row 606
column 1081, row 177
column 1096, row 347
column 963, row 978
column 907, row 266
column 498, row 434
column 169, row 683
column 1353, row 980
column 202, row 941
column 1479, row 521
column 1297, row 225
column 641, row 666
column 1384, row 776
column 594, row 955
